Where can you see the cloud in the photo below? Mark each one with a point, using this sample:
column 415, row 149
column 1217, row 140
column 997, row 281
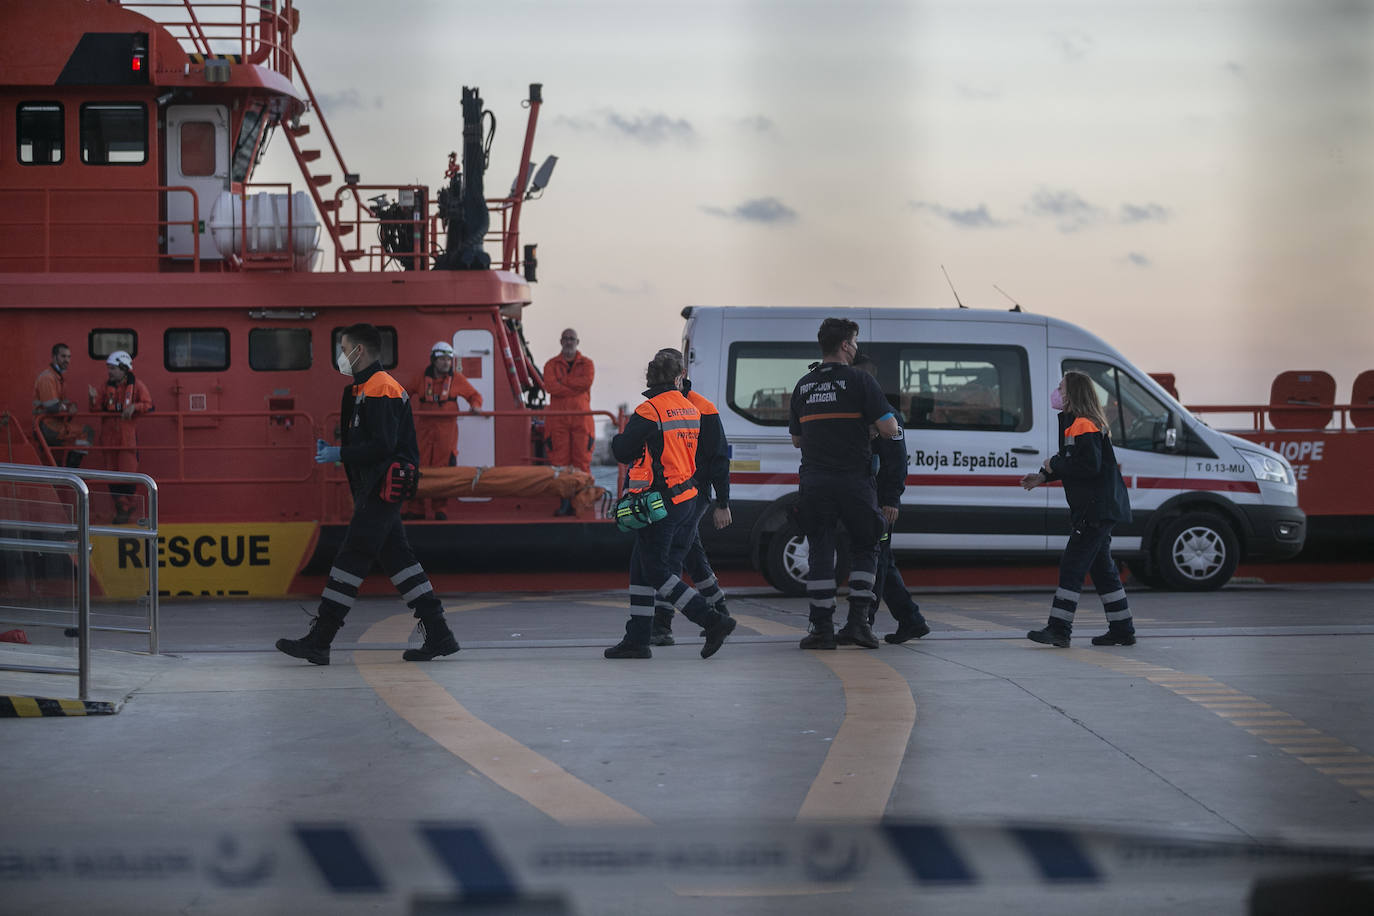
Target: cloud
column 1143, row 213
column 975, row 218
column 1069, row 211
column 1138, row 259
column 346, row 100
column 1072, row 44
column 767, row 210
column 976, row 93
column 647, row 129
column 756, row 123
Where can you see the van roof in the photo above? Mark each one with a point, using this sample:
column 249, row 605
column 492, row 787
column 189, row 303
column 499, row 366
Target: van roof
column 1059, row 333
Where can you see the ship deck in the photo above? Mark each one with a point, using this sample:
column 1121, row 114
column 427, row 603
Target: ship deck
column 235, row 779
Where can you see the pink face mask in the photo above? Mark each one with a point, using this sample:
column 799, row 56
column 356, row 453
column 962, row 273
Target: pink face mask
column 1057, row 399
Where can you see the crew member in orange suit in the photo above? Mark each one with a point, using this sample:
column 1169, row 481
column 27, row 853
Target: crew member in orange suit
column 50, row 403
column 122, row 399
column 568, row 378
column 435, row 397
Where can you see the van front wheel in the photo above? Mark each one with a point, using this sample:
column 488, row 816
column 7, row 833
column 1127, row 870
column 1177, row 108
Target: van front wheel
column 1197, row 552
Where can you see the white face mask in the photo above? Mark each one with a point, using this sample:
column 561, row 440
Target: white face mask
column 1057, row 399
column 345, row 364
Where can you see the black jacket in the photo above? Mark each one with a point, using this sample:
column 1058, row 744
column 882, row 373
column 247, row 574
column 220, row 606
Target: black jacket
column 892, row 461
column 1086, row 462
column 376, row 429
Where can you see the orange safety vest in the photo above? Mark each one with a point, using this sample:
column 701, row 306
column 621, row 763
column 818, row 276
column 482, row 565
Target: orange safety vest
column 672, row 469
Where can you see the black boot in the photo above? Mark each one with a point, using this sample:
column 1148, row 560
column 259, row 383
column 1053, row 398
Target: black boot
column 716, row 633
column 856, row 631
column 439, row 640
column 912, row 628
column 823, row 638
column 720, row 608
column 638, row 630
column 662, row 632
column 313, row 646
column 1117, row 635
column 1056, row 633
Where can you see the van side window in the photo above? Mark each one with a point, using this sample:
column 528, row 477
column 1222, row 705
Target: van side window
column 761, row 377
column 388, row 357
column 956, row 386
column 1138, row 419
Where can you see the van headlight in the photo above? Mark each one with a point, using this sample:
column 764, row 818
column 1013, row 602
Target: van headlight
column 1268, row 468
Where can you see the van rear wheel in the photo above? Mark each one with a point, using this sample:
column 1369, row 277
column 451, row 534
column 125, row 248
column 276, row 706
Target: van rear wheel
column 1197, row 552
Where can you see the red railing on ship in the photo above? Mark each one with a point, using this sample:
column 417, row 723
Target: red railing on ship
column 47, row 224
column 253, row 31
column 1260, row 413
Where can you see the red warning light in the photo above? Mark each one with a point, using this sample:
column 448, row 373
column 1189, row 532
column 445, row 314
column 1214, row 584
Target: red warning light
column 137, row 64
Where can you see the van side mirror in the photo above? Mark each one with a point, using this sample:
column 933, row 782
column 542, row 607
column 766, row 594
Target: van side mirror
column 1171, row 438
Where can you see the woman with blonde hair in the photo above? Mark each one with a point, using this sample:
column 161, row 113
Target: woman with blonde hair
column 1098, row 501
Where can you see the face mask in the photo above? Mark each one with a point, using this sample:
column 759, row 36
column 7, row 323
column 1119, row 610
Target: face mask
column 1057, row 399
column 344, row 364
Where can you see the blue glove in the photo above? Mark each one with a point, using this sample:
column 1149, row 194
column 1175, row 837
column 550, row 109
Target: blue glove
column 325, row 454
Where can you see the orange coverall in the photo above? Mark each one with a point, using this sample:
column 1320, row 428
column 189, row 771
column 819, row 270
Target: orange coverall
column 118, row 439
column 434, row 402
column 569, row 439
column 51, row 385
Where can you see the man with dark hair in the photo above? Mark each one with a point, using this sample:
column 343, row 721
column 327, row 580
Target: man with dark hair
column 833, row 407
column 378, row 437
column 889, row 471
column 50, row 402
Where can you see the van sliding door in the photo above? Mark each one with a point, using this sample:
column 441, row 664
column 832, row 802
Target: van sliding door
column 969, row 394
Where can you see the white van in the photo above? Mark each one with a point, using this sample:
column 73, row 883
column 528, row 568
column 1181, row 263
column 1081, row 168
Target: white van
column 973, row 388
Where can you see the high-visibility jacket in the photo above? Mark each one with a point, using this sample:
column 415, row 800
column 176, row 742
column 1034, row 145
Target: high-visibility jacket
column 115, row 431
column 51, row 386
column 1086, row 463
column 435, row 405
column 660, row 445
column 570, row 388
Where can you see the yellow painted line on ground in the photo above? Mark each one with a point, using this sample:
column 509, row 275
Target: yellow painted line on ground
column 1345, row 771
column 858, row 773
column 962, row 622
column 1274, row 726
column 431, row 709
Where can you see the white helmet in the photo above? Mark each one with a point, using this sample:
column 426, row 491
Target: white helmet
column 441, row 349
column 122, row 359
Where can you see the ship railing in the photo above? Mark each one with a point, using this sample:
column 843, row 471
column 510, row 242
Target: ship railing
column 253, row 31
column 73, row 538
column 1260, row 417
column 56, row 249
column 425, row 224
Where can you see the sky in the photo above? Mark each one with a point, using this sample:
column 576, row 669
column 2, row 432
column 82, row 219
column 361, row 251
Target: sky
column 1193, row 182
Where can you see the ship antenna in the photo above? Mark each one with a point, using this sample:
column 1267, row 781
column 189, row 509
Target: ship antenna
column 1015, row 306
column 951, row 287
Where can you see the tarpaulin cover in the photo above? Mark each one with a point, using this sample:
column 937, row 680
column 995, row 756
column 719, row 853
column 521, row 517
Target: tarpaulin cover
column 564, row 483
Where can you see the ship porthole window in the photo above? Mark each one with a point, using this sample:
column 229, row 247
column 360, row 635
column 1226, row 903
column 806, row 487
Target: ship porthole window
column 279, row 349
column 101, row 342
column 195, row 349
column 40, row 132
column 388, row 357
column 114, row 133
column 197, row 148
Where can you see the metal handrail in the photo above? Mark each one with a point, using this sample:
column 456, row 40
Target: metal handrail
column 47, row 224
column 1258, row 413
column 77, row 480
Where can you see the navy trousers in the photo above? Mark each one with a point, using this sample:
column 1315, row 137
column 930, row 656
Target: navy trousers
column 376, row 534
column 1090, row 551
column 828, row 499
column 653, row 574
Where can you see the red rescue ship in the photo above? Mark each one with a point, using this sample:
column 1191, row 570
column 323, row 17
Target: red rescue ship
column 130, row 134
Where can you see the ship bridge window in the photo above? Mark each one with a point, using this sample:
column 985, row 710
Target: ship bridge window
column 114, row 133
column 101, row 342
column 195, row 349
column 388, row 345
column 279, row 349
column 40, row 133
column 247, row 143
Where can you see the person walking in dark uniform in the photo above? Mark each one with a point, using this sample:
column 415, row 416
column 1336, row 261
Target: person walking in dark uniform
column 890, row 462
column 833, row 408
column 660, row 445
column 377, row 433
column 686, row 553
column 1098, row 501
